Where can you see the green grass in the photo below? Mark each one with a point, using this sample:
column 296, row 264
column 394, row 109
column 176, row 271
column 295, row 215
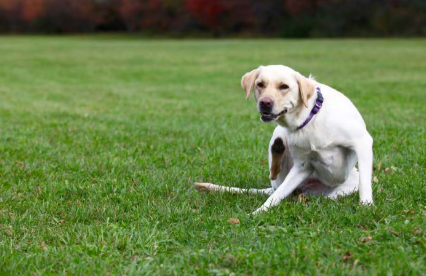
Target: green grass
column 102, row 138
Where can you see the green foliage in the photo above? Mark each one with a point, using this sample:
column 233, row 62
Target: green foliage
column 102, row 138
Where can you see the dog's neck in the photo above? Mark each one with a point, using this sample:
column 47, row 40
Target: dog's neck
column 296, row 118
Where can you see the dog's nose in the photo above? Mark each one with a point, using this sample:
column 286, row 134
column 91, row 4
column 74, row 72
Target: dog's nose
column 266, row 104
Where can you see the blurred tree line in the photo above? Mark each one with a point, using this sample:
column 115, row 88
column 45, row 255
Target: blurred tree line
column 281, row 18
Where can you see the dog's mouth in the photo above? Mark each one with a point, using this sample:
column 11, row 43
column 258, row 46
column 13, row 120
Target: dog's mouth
column 269, row 117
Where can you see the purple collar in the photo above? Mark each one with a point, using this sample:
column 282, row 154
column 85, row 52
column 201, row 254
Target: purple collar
column 317, row 107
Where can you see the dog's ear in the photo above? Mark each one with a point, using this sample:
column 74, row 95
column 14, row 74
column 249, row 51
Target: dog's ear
column 306, row 88
column 247, row 81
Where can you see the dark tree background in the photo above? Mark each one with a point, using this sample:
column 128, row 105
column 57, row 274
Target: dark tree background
column 278, row 18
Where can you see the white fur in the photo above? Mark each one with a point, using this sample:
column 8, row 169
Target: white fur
column 326, row 149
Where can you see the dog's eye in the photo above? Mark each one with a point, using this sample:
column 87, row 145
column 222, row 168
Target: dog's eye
column 283, row 86
column 260, row 85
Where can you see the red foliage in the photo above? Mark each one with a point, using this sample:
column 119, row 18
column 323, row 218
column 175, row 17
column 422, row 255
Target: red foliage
column 266, row 17
column 32, row 9
column 129, row 11
column 8, row 5
column 296, row 7
column 59, row 16
column 206, row 11
column 230, row 15
column 144, row 14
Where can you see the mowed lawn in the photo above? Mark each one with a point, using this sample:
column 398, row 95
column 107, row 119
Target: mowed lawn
column 102, row 138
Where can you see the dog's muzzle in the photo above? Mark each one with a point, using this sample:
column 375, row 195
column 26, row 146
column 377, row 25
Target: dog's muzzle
column 269, row 117
column 266, row 104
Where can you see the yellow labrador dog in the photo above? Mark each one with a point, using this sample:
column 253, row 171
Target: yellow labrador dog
column 318, row 141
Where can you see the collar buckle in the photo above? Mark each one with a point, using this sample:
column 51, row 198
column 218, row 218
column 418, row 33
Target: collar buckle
column 318, row 104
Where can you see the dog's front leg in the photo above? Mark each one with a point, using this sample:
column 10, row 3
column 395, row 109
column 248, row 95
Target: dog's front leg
column 364, row 152
column 297, row 174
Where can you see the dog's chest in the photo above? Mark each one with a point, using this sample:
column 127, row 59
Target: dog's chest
column 304, row 146
column 332, row 163
column 324, row 157
column 315, row 150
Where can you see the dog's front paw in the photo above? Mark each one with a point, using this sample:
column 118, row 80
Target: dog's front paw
column 366, row 201
column 260, row 210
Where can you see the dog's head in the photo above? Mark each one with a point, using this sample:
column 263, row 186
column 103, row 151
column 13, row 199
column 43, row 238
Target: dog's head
column 278, row 90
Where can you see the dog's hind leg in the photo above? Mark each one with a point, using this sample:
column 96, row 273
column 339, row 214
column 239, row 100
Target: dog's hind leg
column 350, row 186
column 233, row 190
column 315, row 187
